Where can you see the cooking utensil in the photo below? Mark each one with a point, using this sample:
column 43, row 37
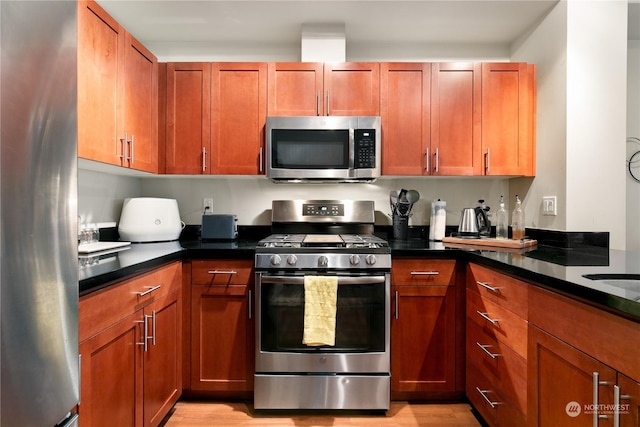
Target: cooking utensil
column 412, row 197
column 393, row 201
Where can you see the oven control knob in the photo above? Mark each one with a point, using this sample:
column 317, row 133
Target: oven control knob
column 323, row 261
column 292, row 259
column 275, row 259
column 354, row 259
column 370, row 259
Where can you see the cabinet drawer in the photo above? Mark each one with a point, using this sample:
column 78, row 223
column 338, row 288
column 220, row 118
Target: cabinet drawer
column 491, row 405
column 499, row 322
column 420, row 271
column 498, row 288
column 222, row 272
column 506, row 369
column 105, row 307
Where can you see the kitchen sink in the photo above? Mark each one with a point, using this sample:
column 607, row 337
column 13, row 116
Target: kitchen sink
column 628, row 282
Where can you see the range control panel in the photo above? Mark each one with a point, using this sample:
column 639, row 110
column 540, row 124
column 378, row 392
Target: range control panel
column 320, row 209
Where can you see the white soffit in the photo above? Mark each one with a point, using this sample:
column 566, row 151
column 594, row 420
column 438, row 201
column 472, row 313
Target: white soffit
column 323, row 43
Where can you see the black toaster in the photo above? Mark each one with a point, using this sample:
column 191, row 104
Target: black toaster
column 219, row 227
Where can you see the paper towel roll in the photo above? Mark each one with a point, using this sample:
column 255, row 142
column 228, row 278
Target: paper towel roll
column 438, row 220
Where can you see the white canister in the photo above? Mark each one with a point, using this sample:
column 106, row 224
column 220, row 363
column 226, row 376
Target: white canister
column 438, row 220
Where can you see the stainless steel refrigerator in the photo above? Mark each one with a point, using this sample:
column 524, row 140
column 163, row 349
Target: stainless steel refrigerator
column 38, row 214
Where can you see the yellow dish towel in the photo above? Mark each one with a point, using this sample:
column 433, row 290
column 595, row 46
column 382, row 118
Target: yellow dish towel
column 320, row 297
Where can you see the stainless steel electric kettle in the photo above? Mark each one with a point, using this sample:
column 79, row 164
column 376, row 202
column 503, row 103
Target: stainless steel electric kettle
column 474, row 223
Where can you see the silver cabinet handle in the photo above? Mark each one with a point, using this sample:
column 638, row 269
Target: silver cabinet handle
column 617, row 397
column 145, row 329
column 149, row 290
column 596, row 398
column 487, row 286
column 328, row 110
column 427, row 160
column 131, row 148
column 124, row 141
column 437, row 155
column 250, row 303
column 397, row 306
column 485, row 347
column 317, row 103
column 222, row 272
column 483, row 393
column 260, row 168
column 204, row 159
column 487, row 157
column 153, row 327
column 486, row 317
column 425, row 273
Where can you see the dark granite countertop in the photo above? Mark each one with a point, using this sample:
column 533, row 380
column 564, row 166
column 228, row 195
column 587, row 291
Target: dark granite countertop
column 558, row 269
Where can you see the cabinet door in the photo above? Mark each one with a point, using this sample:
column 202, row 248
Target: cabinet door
column 508, row 111
column 629, row 401
column 188, row 116
column 455, row 119
column 295, row 89
column 423, row 339
column 561, row 383
column 112, row 374
column 222, row 338
column 100, row 60
column 162, row 360
column 405, row 111
column 238, row 116
column 352, row 89
column 140, row 107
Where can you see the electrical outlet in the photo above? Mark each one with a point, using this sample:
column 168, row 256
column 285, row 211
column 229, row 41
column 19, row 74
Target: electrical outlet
column 549, row 205
column 207, row 206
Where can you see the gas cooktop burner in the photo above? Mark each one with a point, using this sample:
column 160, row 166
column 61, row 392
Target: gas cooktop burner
column 328, row 241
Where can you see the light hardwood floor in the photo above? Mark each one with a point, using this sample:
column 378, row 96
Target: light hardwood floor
column 200, row 414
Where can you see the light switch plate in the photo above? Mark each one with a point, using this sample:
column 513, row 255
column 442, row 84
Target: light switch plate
column 549, row 206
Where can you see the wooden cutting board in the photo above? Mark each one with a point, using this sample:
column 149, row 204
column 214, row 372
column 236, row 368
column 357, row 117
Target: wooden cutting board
column 487, row 241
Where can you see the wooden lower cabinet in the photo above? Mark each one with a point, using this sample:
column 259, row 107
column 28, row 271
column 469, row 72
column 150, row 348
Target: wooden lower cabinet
column 122, row 381
column 222, row 327
column 496, row 346
column 570, row 342
column 424, row 341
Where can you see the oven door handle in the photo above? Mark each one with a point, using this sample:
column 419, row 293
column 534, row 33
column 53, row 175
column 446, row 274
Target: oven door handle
column 342, row 280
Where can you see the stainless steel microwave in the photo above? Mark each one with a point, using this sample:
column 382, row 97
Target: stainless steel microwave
column 323, row 148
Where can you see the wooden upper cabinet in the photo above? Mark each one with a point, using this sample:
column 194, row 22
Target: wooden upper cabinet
column 188, row 118
column 295, row 89
column 508, row 118
column 405, row 111
column 456, row 119
column 238, row 117
column 140, row 106
column 117, row 93
column 100, row 60
column 319, row 89
column 352, row 89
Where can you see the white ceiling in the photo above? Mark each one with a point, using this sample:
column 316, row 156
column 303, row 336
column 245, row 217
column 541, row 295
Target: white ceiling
column 366, row 21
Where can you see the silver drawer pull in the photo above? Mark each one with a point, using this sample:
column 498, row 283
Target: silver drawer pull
column 486, row 317
column 425, row 273
column 222, row 272
column 483, row 393
column 485, row 347
column 149, row 290
column 487, row 286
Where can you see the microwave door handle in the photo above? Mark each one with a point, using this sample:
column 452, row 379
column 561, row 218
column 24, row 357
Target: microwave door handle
column 342, row 280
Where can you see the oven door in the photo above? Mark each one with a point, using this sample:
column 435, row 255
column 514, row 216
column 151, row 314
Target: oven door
column 362, row 326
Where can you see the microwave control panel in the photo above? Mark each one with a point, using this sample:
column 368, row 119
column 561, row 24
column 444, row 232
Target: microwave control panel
column 365, row 148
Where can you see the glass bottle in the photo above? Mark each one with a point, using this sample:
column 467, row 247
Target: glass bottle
column 501, row 221
column 517, row 221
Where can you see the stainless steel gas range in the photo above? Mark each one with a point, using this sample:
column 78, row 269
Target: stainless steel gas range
column 323, row 239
